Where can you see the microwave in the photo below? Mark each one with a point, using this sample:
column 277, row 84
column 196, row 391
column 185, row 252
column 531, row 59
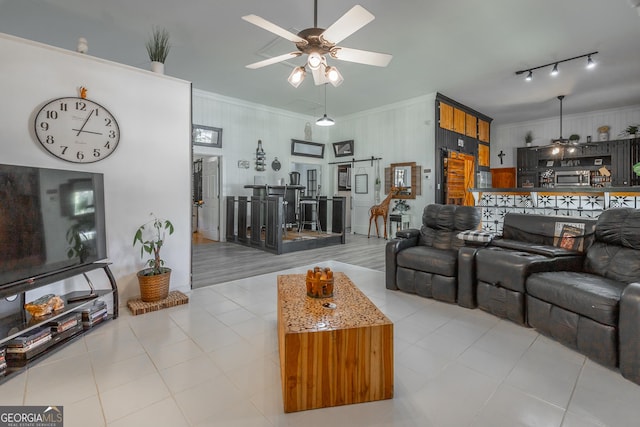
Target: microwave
column 572, row 178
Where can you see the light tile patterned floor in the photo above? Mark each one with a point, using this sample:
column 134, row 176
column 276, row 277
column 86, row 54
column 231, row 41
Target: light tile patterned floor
column 214, row 362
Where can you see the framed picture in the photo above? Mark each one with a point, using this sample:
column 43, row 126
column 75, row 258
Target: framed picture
column 206, row 136
column 343, row 149
column 362, row 183
column 597, row 162
column 306, row 148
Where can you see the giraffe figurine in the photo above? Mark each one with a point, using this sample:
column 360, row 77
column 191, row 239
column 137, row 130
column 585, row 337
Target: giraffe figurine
column 381, row 210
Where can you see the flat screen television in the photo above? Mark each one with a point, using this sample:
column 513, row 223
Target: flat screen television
column 51, row 220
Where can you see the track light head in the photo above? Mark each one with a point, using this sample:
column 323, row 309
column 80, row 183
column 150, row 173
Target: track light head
column 529, row 76
column 590, row 62
column 554, row 72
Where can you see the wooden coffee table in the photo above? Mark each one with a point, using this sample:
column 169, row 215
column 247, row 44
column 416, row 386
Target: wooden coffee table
column 332, row 356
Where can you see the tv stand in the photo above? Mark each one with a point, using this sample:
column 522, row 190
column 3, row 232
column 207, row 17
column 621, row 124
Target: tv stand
column 16, row 321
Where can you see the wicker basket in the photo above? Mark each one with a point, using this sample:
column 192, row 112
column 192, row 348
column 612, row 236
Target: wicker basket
column 154, row 288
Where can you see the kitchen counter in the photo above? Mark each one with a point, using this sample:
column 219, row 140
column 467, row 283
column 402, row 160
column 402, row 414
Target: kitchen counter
column 566, row 201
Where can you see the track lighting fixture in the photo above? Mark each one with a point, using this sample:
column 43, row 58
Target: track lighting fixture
column 297, row 76
column 554, row 71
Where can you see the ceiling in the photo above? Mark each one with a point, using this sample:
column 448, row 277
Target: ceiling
column 467, row 50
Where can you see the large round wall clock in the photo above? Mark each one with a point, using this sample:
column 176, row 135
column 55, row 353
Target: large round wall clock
column 77, row 130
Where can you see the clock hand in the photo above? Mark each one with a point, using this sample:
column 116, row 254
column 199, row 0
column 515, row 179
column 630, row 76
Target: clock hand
column 85, row 122
column 86, row 131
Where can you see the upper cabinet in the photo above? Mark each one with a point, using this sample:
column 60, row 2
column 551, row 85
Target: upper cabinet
column 483, row 130
column 446, row 116
column 459, row 120
column 472, row 126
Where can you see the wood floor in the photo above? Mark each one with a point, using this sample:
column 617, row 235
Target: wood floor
column 220, row 262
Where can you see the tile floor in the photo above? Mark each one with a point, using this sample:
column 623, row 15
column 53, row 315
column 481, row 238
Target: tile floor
column 214, row 362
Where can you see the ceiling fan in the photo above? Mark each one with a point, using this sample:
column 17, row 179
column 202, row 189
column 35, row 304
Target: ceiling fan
column 561, row 140
column 319, row 43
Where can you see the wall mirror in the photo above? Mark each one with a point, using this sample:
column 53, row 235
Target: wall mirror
column 306, row 148
column 405, row 176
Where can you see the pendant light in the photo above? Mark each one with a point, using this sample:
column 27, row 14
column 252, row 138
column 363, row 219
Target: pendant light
column 324, row 120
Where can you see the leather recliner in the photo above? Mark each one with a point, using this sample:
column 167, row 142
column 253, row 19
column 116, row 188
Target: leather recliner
column 597, row 309
column 425, row 261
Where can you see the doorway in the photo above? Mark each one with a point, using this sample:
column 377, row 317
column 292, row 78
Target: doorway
column 206, row 198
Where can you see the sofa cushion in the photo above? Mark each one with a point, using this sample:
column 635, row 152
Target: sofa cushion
column 619, row 226
column 575, row 233
column 431, row 260
column 589, row 295
column 614, row 262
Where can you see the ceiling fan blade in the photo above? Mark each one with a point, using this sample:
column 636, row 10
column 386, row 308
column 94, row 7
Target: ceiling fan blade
column 361, row 56
column 274, row 60
column 319, row 76
column 356, row 18
column 273, row 28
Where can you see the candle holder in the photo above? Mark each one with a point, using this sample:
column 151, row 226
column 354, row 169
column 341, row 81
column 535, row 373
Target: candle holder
column 320, row 282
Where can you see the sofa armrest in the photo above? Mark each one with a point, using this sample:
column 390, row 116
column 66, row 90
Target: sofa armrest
column 629, row 334
column 467, row 279
column 407, row 233
column 391, row 251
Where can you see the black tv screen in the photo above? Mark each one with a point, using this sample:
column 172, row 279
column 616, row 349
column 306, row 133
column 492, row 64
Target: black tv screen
column 50, row 220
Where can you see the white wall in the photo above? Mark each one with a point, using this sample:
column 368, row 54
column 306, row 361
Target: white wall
column 149, row 171
column 398, row 133
column 509, row 137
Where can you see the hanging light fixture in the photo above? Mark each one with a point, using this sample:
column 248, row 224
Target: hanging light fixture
column 315, row 60
column 554, row 71
column 324, row 120
column 297, row 76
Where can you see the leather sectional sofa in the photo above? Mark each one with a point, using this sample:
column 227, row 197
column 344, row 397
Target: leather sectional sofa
column 574, row 279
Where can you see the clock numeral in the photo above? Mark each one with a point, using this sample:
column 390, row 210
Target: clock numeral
column 52, row 114
column 44, row 126
column 107, row 121
column 81, row 106
column 80, row 155
column 108, row 145
column 96, row 152
column 112, row 134
column 63, row 106
column 64, row 149
column 50, row 139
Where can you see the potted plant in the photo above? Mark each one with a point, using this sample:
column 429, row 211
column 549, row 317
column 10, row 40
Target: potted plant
column 574, row 138
column 158, row 48
column 528, row 138
column 631, row 130
column 154, row 280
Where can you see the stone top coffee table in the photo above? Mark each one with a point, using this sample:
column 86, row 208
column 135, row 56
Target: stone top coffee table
column 333, row 351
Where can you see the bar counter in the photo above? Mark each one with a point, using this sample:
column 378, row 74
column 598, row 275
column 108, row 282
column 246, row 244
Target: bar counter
column 566, row 201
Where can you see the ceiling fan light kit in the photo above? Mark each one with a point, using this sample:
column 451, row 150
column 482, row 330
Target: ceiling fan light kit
column 297, row 76
column 319, row 44
column 590, row 64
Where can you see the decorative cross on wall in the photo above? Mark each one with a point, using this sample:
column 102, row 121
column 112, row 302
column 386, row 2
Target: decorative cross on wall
column 501, row 155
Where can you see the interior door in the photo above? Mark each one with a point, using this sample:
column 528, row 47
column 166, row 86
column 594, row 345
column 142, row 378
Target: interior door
column 363, row 198
column 209, row 214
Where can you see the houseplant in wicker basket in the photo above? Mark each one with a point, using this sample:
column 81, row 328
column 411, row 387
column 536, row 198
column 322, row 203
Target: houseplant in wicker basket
column 154, row 280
